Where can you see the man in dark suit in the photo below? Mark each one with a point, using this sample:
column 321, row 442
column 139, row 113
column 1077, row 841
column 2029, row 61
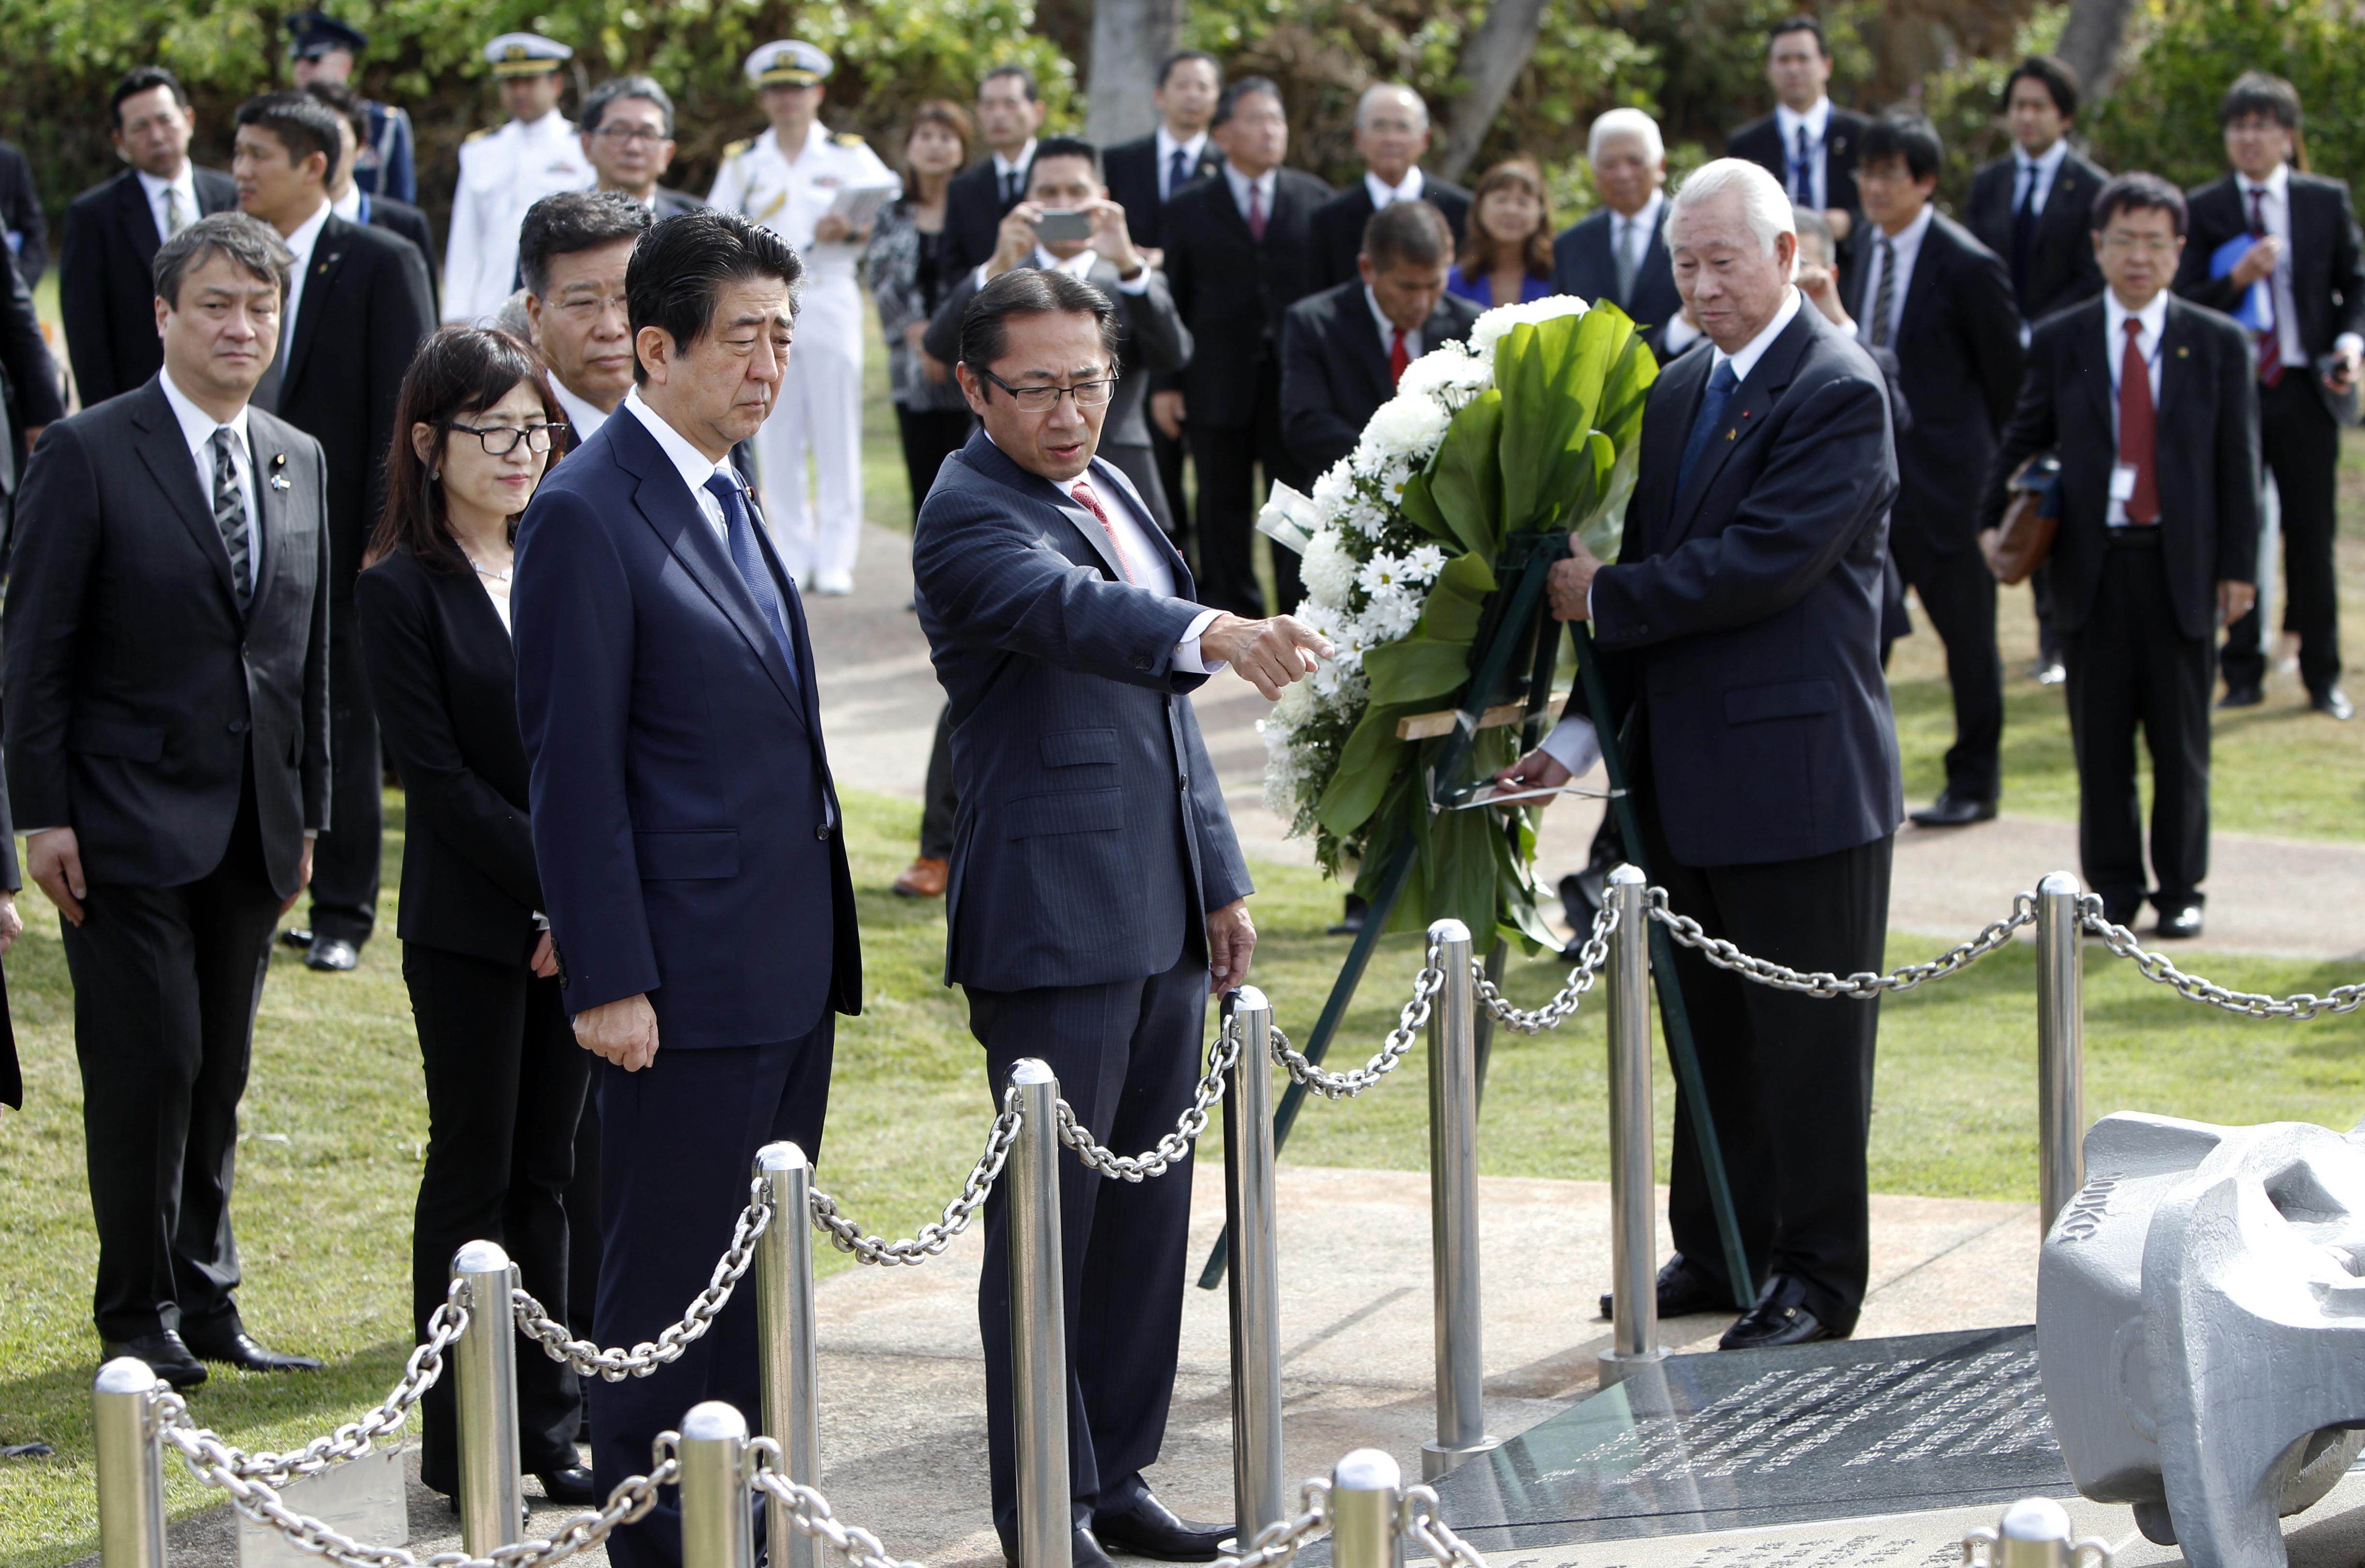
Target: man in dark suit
column 354, row 205
column 1942, row 302
column 1009, row 111
column 105, row 293
column 1097, row 896
column 2149, row 402
column 21, row 223
column 31, row 388
column 1144, row 173
column 1618, row 253
column 1343, row 350
column 1152, row 341
column 1392, row 135
column 2309, row 332
column 166, row 647
column 1739, row 632
column 358, row 307
column 1807, row 142
column 1239, row 253
column 684, row 818
column 627, row 126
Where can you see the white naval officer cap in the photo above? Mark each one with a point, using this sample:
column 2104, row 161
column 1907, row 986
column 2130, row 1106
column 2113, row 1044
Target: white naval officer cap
column 526, row 54
column 788, row 62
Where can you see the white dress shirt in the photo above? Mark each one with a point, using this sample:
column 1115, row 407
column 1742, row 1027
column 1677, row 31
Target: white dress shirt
column 1167, row 148
column 1388, row 328
column 1264, row 184
column 691, row 463
column 2042, row 169
column 1384, row 195
column 2276, row 209
column 300, row 244
column 185, row 182
column 583, row 418
column 2151, row 321
column 348, row 206
column 1906, row 244
column 197, row 429
column 1817, row 121
column 1078, row 266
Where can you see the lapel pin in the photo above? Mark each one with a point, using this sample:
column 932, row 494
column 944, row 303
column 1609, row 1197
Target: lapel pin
column 278, row 479
column 2183, row 353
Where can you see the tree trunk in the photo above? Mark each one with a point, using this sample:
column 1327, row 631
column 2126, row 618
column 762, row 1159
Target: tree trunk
column 1491, row 61
column 1130, row 37
column 2090, row 42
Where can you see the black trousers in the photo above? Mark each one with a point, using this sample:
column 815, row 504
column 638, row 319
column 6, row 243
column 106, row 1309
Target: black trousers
column 505, row 1082
column 166, row 981
column 345, row 858
column 583, row 1215
column 1958, row 594
column 1127, row 1059
column 1227, row 461
column 930, row 435
column 2301, row 446
column 942, row 799
column 1168, row 455
column 678, row 1143
column 2040, row 591
column 1789, row 1077
column 2129, row 666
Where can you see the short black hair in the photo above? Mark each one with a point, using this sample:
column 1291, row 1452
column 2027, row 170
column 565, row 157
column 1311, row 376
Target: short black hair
column 303, row 124
column 1230, row 104
column 142, row 79
column 681, row 265
column 2055, row 74
column 1184, row 56
column 1799, row 24
column 344, row 102
column 1028, row 291
column 1410, row 231
column 2139, row 192
column 1902, row 134
column 1065, row 147
column 251, row 242
column 1025, row 80
column 575, row 220
column 2260, row 93
column 596, row 102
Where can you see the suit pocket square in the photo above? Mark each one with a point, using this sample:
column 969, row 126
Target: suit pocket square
column 687, row 855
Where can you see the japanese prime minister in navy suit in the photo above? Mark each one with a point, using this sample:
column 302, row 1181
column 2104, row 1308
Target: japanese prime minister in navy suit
column 683, row 816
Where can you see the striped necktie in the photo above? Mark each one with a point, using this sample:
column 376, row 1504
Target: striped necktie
column 1884, row 299
column 230, row 516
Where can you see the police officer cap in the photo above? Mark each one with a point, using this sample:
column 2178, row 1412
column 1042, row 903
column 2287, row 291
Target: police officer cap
column 311, row 34
column 786, row 62
column 526, row 54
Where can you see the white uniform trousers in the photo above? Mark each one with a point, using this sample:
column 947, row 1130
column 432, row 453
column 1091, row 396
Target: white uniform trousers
column 818, row 420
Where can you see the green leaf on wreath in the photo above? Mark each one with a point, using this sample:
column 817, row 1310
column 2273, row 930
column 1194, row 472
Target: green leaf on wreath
column 1457, row 599
column 1419, row 506
column 1415, row 670
column 1467, row 483
column 1367, row 762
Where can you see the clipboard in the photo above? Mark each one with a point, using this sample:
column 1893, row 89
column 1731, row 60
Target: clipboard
column 859, row 204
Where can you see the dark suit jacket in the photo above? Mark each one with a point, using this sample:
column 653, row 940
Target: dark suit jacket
column 1092, row 830
column 2061, row 266
column 1742, row 624
column 1131, row 170
column 1233, row 291
column 1152, row 341
column 2328, row 276
column 365, row 309
column 1760, row 141
column 974, row 210
column 105, row 293
column 684, row 819
column 1334, row 368
column 2206, row 455
column 402, row 218
column 21, row 213
column 1338, row 224
column 1959, row 363
column 443, row 678
column 1583, row 266
column 138, row 696
column 28, row 382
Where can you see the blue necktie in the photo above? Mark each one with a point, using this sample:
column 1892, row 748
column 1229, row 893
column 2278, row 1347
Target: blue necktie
column 1801, row 173
column 1720, row 387
column 1178, row 173
column 749, row 557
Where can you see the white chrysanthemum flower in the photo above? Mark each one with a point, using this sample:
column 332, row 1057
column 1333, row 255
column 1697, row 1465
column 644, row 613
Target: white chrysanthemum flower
column 1393, row 612
column 1407, row 428
column 1329, row 567
column 1490, row 327
column 1449, row 372
column 1334, row 491
column 1380, row 573
column 1422, row 564
column 1367, row 518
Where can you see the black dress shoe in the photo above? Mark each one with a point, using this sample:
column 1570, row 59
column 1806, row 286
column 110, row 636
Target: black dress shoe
column 2248, row 694
column 1149, row 1528
column 1351, row 921
column 333, row 953
column 1684, row 1288
column 165, row 1354
column 571, row 1483
column 2333, row 704
column 233, row 1345
column 1085, row 1551
column 296, row 936
column 1950, row 810
column 1780, row 1318
column 2180, row 923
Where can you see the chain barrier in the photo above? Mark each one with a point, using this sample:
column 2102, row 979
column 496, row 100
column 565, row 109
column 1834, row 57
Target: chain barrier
column 1862, row 987
column 589, row 1360
column 1346, row 1085
column 1420, row 1521
column 2158, row 968
column 1175, row 1146
column 847, row 1236
column 1590, row 960
column 809, row 1512
column 1278, row 1543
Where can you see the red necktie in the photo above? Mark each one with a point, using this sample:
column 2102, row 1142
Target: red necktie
column 1256, row 213
column 2138, row 434
column 2270, row 338
column 1398, row 358
column 1082, row 490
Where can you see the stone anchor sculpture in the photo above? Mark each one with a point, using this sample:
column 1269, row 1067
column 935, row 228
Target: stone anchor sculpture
column 2200, row 1328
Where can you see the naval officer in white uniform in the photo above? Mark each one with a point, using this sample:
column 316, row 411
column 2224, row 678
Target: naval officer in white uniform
column 787, row 179
column 504, row 172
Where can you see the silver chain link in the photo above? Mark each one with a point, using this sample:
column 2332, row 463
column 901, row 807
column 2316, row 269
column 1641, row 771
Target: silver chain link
column 811, row 1515
column 847, row 1236
column 615, row 1365
column 1278, row 1541
column 1420, row 1522
column 1590, row 960
column 2158, row 967
column 1345, row 1085
column 1175, row 1146
column 1861, row 987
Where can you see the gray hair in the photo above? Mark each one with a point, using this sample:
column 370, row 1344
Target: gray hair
column 513, row 318
column 1380, row 89
column 1625, row 122
column 1763, row 201
column 1814, row 229
column 251, row 242
column 596, row 102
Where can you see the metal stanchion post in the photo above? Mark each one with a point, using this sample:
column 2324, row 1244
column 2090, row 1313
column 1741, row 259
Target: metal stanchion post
column 1366, row 1497
column 130, row 1465
column 1453, row 1209
column 1258, row 1492
column 2060, row 1043
column 1039, row 1323
column 1633, row 1218
column 718, row 1528
column 784, row 1329
column 492, row 1487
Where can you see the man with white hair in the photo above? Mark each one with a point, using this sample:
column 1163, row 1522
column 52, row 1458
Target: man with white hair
column 1740, row 634
column 1392, row 135
column 1618, row 254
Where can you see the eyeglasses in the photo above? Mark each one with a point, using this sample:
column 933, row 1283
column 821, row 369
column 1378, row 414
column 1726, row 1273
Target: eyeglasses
column 584, row 307
column 619, row 134
column 499, row 441
column 1043, row 399
column 2148, row 245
